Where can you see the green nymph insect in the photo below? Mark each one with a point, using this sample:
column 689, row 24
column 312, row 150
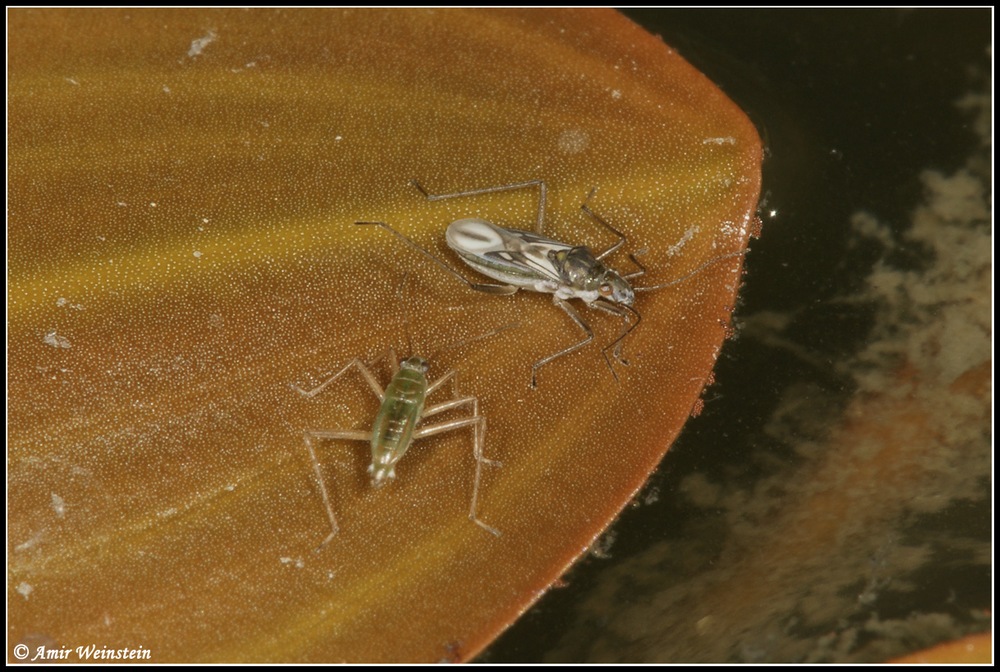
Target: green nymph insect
column 398, row 422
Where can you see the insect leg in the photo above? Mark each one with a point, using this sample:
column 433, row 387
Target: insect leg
column 310, row 434
column 540, row 218
column 600, row 220
column 622, row 311
column 479, row 436
column 635, row 274
column 478, row 423
column 580, row 323
column 376, row 388
column 441, row 381
column 354, row 435
column 455, row 402
column 479, row 433
column 489, row 288
column 389, row 354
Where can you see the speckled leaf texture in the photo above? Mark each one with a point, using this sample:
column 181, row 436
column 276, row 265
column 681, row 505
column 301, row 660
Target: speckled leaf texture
column 183, row 187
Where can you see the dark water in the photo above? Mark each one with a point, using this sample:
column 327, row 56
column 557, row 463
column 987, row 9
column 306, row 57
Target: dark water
column 854, row 107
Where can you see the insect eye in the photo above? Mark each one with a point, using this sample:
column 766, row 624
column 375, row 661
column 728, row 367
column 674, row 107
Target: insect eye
column 605, row 290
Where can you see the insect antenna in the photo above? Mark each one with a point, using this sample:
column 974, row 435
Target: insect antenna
column 401, row 293
column 695, row 272
column 480, row 337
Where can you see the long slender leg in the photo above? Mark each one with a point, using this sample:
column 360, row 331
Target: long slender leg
column 479, row 434
column 390, row 355
column 334, row 434
column 349, row 434
column 621, row 241
column 621, row 238
column 540, row 218
column 450, row 375
column 479, row 430
column 600, row 220
column 642, row 269
column 447, row 406
column 376, row 388
column 456, row 403
column 489, row 288
column 635, row 274
column 580, row 323
column 622, row 311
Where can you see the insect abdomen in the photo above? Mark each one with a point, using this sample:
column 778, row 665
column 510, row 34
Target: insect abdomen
column 398, row 416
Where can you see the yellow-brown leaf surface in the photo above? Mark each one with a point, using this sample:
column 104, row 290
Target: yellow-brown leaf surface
column 182, row 192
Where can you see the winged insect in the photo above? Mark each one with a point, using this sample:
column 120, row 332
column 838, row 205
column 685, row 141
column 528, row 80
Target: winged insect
column 529, row 260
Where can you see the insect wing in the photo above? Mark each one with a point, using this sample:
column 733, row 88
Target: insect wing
column 520, row 258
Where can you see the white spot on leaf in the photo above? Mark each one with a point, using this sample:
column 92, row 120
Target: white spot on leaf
column 198, row 45
column 58, row 505
column 56, row 341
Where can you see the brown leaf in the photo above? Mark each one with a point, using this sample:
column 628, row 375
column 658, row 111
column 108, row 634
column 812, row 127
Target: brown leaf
column 182, row 191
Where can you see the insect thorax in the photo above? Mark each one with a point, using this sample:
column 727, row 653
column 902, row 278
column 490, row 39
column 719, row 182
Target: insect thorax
column 590, row 279
column 415, row 363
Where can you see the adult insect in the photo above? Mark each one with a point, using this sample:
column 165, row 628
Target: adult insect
column 400, row 421
column 529, row 260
